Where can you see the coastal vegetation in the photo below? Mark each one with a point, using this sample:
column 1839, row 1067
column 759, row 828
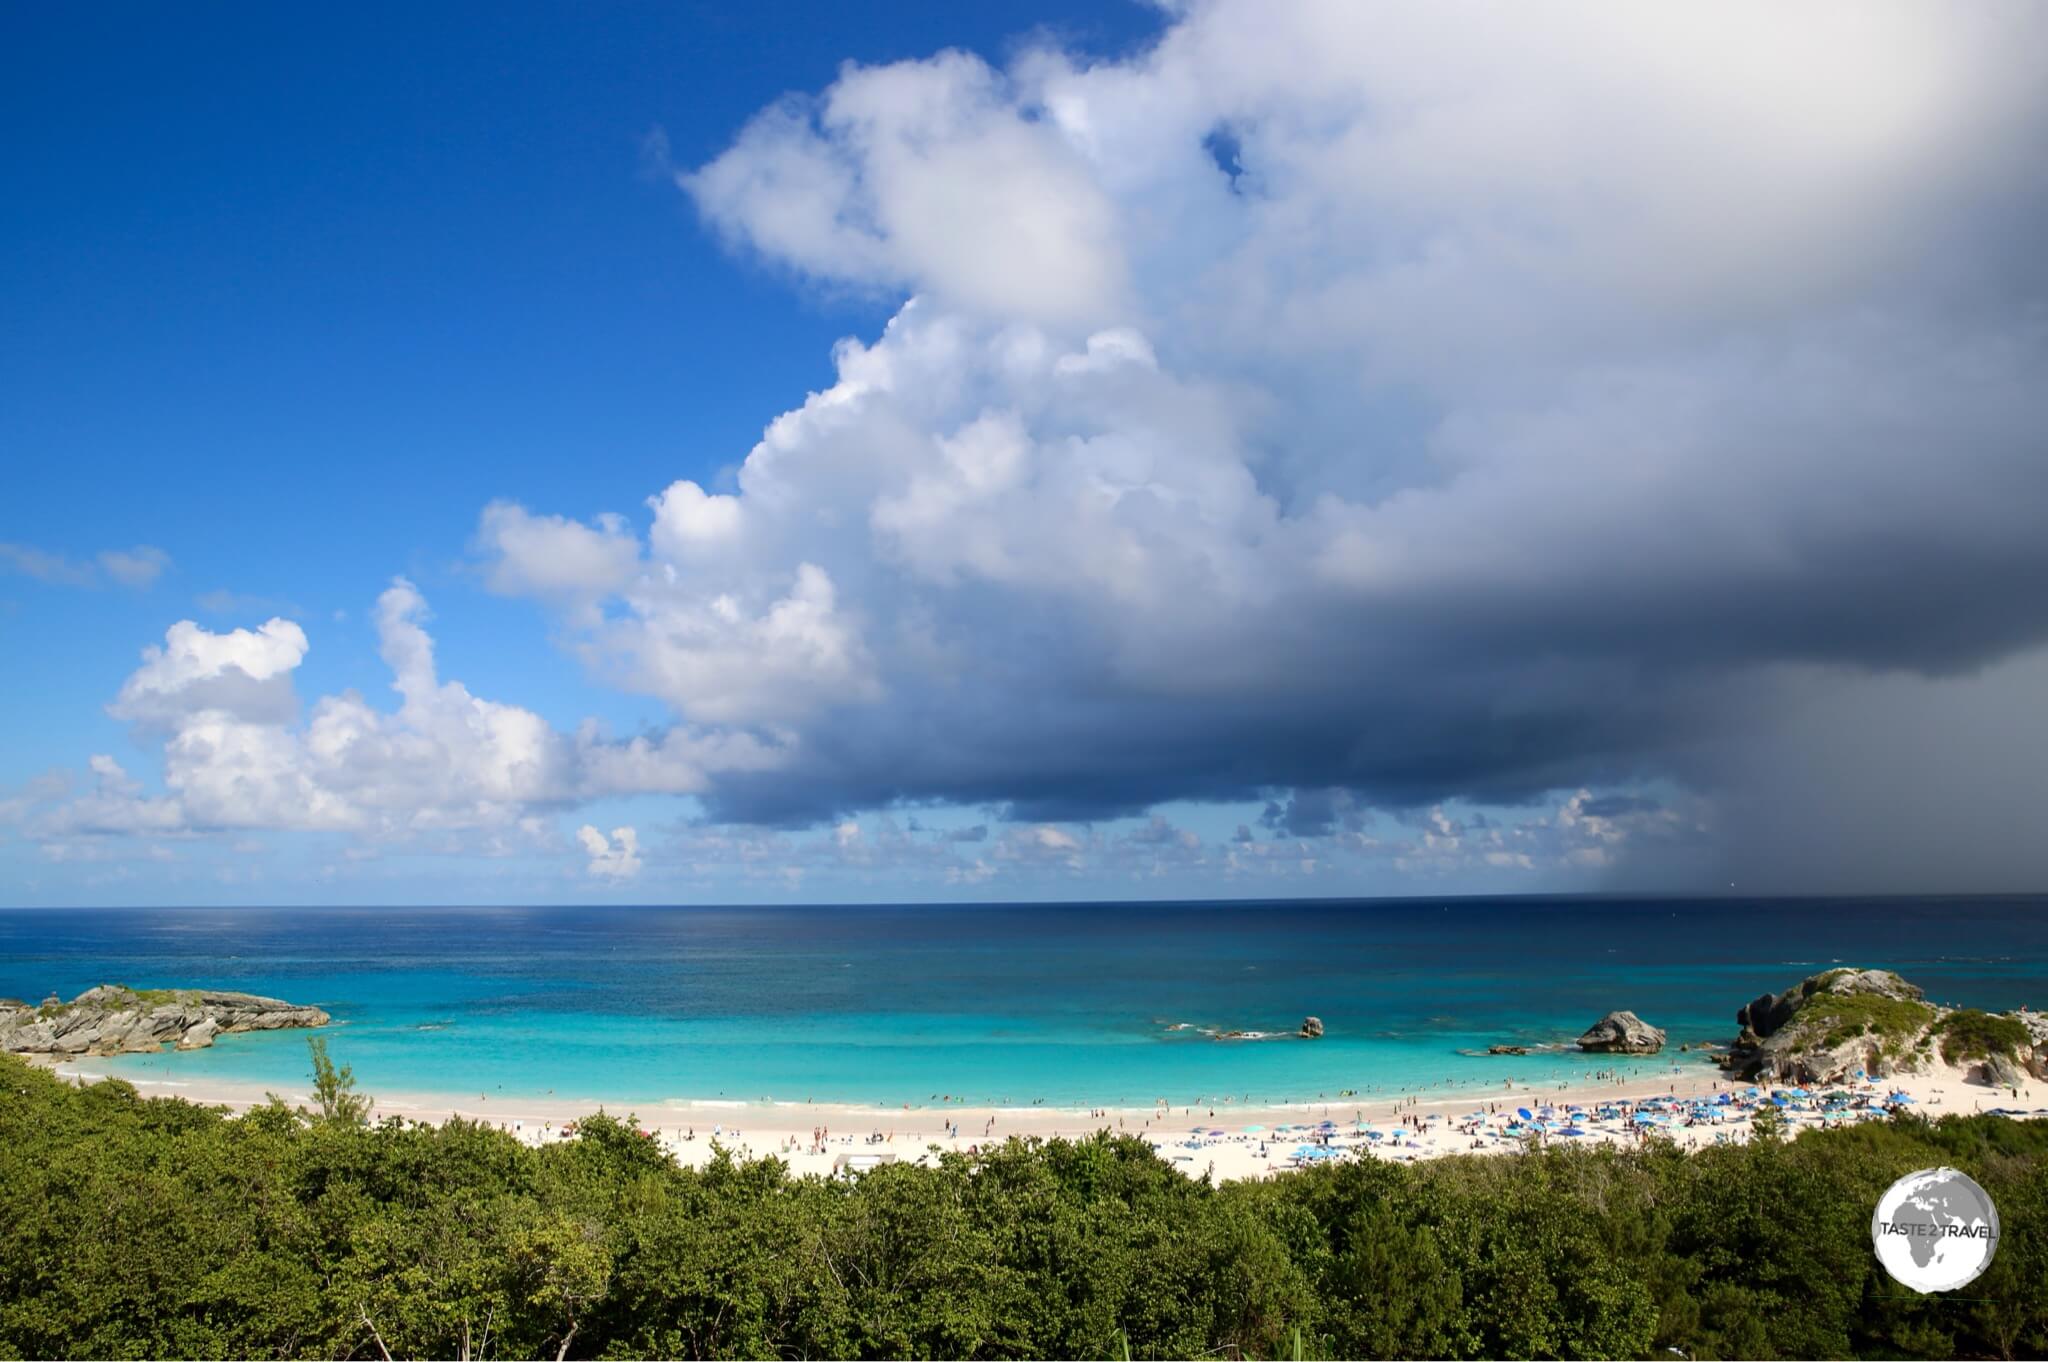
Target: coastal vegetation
column 1894, row 1024
column 153, row 1227
column 1968, row 1033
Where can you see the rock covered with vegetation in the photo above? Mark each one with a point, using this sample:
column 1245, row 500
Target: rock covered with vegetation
column 1842, row 1021
column 114, row 1019
column 154, row 1228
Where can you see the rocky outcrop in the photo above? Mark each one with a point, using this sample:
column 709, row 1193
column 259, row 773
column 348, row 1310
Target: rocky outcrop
column 2036, row 1058
column 1833, row 1024
column 1767, row 1015
column 1622, row 1033
column 113, row 1019
column 1507, row 1049
column 1311, row 1027
column 1999, row 1071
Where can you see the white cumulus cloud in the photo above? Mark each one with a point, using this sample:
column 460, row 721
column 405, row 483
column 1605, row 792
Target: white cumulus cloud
column 236, row 756
column 616, row 858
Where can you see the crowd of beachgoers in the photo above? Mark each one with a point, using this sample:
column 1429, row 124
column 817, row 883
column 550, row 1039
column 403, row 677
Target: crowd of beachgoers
column 1689, row 1104
column 1721, row 1117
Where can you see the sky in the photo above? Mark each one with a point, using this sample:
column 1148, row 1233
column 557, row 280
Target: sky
column 771, row 452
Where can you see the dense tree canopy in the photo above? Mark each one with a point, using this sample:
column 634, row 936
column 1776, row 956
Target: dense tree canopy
column 133, row 1227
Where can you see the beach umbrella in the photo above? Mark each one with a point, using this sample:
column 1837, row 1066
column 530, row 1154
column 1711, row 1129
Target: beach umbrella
column 1901, row 1097
column 1523, row 1112
column 1328, row 1125
column 1253, row 1130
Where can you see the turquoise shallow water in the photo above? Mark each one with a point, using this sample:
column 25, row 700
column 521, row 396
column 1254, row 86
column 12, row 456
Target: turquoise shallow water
column 1069, row 1004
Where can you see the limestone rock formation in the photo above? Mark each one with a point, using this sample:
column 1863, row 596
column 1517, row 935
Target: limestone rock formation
column 2036, row 1058
column 1767, row 1014
column 1311, row 1027
column 113, row 1019
column 1999, row 1071
column 1622, row 1033
column 1832, row 1025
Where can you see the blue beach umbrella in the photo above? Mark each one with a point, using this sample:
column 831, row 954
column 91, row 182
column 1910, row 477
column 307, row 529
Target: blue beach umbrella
column 1253, row 1130
column 1523, row 1112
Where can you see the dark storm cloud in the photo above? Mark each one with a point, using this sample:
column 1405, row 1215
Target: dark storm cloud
column 1573, row 403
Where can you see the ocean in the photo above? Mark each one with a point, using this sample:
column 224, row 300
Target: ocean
column 1065, row 1004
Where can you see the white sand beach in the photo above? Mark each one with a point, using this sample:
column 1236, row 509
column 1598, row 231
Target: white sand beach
column 1688, row 1104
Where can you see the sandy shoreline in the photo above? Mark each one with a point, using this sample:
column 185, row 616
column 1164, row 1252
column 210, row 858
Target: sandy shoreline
column 1423, row 1124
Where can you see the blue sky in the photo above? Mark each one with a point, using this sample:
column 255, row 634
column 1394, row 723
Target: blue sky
column 341, row 279
column 1381, row 598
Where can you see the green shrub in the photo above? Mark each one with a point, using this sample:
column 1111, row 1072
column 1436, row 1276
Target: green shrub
column 1970, row 1034
column 133, row 1227
column 1832, row 1019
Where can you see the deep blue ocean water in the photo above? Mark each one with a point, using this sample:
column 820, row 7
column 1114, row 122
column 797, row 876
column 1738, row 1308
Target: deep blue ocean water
column 999, row 1005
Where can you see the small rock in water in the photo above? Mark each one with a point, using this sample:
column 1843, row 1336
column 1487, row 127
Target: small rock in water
column 1622, row 1033
column 1311, row 1027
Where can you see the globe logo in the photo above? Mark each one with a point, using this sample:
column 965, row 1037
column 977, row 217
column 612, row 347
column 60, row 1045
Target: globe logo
column 1935, row 1230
